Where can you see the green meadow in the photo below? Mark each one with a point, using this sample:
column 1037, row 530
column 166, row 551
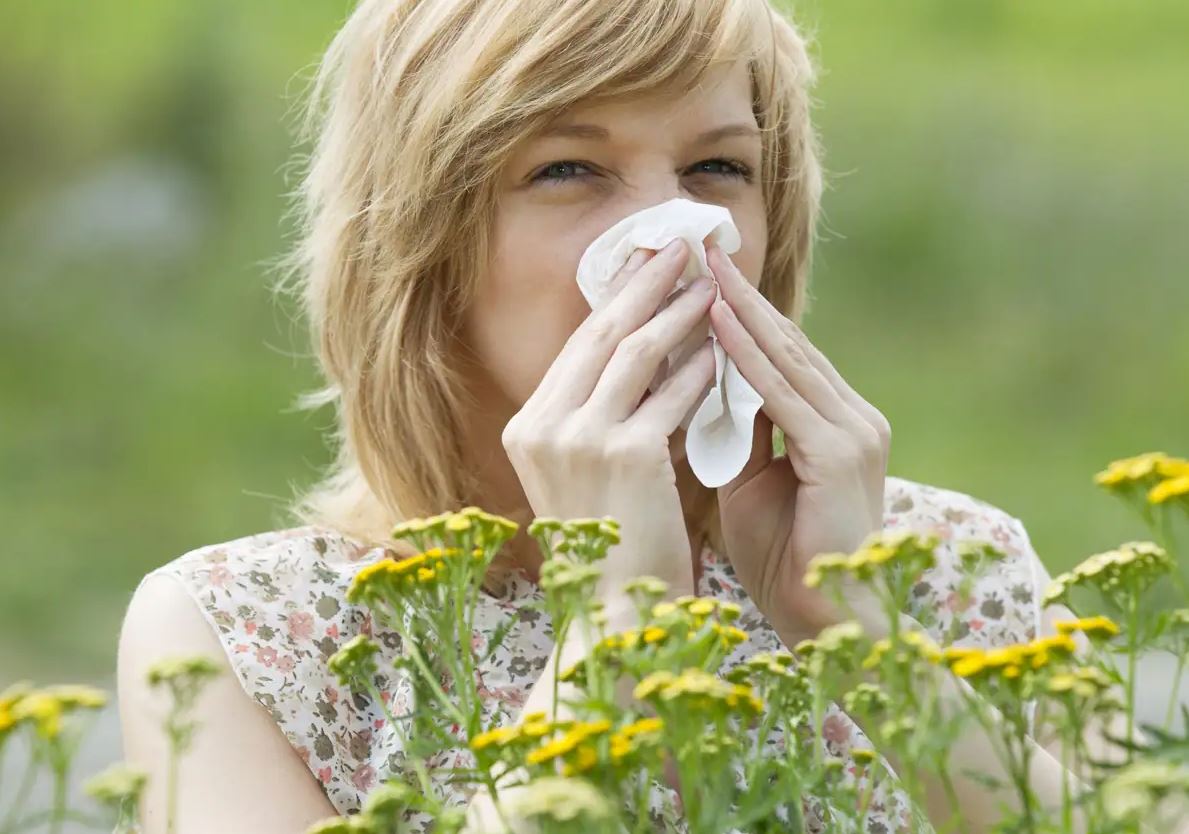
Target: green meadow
column 1001, row 271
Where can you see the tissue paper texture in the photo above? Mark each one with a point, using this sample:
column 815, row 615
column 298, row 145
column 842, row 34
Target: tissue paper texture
column 719, row 429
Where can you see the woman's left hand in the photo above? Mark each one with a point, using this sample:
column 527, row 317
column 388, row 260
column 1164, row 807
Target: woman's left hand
column 826, row 493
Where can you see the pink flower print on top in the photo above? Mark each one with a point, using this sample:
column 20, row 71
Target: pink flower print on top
column 301, row 625
column 219, row 576
column 364, row 777
column 286, row 664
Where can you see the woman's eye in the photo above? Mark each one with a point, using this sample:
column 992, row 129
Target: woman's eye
column 734, row 169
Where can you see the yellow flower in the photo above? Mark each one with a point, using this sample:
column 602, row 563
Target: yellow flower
column 625, row 739
column 498, row 736
column 1131, row 564
column 1170, row 488
column 862, row 755
column 116, row 784
column 41, row 709
column 585, row 757
column 731, row 636
column 970, row 665
column 458, row 524
column 535, row 729
column 554, row 749
column 908, row 548
column 878, row 649
column 654, row 634
column 1088, row 625
column 701, row 607
column 663, row 609
column 1130, row 470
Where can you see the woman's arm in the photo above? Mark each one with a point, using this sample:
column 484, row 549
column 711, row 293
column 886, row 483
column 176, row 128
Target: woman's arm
column 241, row 773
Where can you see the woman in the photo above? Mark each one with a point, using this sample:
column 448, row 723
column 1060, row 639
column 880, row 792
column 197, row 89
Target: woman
column 466, row 155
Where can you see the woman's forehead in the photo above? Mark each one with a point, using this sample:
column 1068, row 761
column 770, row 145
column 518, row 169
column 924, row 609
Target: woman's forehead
column 724, row 94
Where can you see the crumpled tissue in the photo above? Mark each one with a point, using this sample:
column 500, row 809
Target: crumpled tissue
column 719, row 429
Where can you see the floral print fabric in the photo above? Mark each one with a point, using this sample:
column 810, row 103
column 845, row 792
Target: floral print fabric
column 277, row 602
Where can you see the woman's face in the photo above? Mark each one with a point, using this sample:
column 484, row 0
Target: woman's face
column 558, row 193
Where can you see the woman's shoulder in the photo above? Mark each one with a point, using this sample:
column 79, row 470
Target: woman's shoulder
column 276, row 602
column 1001, row 607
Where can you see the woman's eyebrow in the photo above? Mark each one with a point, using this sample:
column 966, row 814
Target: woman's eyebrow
column 587, row 131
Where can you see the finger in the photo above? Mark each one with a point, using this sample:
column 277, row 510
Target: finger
column 634, row 364
column 568, row 382
column 665, row 410
column 782, row 402
column 866, row 410
column 782, row 350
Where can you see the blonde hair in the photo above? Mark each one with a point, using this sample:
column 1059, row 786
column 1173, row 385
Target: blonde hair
column 414, row 111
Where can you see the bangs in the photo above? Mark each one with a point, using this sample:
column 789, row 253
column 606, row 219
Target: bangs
column 575, row 51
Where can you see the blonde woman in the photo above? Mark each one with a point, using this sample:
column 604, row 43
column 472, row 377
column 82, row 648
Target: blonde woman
column 466, row 152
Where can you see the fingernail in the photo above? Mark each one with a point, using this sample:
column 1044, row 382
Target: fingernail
column 701, row 285
column 673, row 247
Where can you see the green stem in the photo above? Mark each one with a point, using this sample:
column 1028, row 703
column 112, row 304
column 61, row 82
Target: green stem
column 1174, row 697
column 171, row 782
column 61, row 766
column 951, row 795
column 1066, row 800
column 26, row 787
column 468, row 658
column 1132, row 648
column 450, row 707
column 560, row 634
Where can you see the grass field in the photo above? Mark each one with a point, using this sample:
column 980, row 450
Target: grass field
column 1001, row 272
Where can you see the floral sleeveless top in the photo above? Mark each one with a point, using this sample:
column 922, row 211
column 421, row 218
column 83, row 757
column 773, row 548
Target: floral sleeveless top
column 277, row 602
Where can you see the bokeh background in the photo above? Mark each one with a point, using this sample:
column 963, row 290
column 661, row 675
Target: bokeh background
column 1002, row 272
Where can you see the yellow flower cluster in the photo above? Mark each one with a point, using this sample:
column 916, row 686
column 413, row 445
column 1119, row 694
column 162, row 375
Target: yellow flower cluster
column 697, row 609
column 882, row 548
column 1084, row 681
column 1090, row 626
column 574, row 748
column 628, row 738
column 699, row 690
column 835, row 640
column 117, row 784
column 44, row 708
column 182, row 672
column 911, row 644
column 1134, row 562
column 591, row 536
column 532, row 726
column 775, row 664
column 1008, row 661
column 671, row 620
column 485, row 527
column 355, row 663
column 1163, row 476
column 422, row 569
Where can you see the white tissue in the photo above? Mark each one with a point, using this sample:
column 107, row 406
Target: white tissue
column 719, row 429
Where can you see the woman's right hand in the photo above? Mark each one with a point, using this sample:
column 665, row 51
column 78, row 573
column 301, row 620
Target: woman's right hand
column 589, row 443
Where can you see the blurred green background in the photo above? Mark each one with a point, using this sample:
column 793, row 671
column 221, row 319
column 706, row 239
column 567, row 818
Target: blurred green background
column 1002, row 273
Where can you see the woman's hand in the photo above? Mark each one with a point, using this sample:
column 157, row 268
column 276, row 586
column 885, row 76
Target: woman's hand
column 826, row 493
column 588, row 443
